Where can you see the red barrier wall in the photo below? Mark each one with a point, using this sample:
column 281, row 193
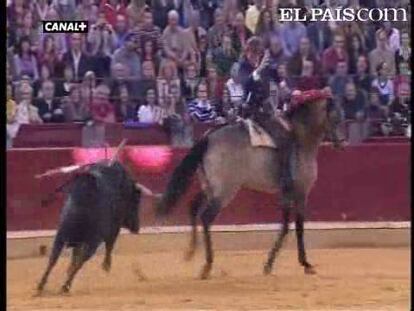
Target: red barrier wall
column 369, row 182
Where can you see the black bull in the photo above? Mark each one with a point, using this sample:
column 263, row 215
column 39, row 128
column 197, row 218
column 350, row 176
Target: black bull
column 100, row 201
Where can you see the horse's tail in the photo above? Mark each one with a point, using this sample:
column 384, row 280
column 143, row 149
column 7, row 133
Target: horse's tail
column 181, row 177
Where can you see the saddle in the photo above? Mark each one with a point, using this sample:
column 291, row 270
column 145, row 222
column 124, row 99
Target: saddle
column 258, row 135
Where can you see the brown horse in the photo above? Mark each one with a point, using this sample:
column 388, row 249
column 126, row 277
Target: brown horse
column 227, row 162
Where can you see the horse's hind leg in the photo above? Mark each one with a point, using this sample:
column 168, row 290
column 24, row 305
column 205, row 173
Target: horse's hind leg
column 279, row 242
column 57, row 249
column 299, row 237
column 207, row 218
column 80, row 255
column 196, row 204
column 109, row 246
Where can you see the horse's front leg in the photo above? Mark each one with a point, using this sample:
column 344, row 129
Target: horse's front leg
column 279, row 242
column 299, row 224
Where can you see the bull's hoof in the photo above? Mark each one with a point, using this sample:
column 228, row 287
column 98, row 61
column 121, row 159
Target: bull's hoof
column 267, row 269
column 310, row 270
column 106, row 266
column 205, row 273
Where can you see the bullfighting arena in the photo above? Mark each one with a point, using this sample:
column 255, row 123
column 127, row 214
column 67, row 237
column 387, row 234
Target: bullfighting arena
column 359, row 269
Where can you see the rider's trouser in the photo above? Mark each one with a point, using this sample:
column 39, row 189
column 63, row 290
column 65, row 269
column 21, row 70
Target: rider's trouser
column 285, row 146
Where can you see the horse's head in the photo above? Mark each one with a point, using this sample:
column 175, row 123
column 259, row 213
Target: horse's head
column 314, row 120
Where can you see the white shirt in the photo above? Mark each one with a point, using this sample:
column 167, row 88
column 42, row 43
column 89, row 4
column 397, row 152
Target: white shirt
column 235, row 91
column 76, row 61
column 145, row 114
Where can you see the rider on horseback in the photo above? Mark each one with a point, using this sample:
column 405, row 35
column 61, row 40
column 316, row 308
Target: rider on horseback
column 258, row 107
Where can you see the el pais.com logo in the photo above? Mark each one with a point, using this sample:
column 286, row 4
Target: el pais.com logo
column 65, row 26
column 343, row 15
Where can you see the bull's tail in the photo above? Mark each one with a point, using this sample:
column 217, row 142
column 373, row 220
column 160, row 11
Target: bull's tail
column 181, row 177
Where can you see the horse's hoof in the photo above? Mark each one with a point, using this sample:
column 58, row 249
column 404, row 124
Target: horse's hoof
column 310, row 270
column 65, row 290
column 205, row 274
column 188, row 255
column 267, row 269
column 106, row 266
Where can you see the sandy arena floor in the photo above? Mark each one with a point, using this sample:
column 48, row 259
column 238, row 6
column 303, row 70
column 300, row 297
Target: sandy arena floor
column 348, row 279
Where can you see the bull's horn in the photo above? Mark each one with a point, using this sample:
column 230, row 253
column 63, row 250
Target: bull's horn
column 118, row 151
column 59, row 170
column 144, row 189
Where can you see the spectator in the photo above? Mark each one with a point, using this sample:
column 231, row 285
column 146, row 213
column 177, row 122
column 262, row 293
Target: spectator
column 26, row 112
column 308, row 79
column 25, row 62
column 266, row 27
column 190, row 82
column 101, row 108
column 404, row 52
column 148, row 80
column 49, row 107
column 283, row 77
column 65, row 8
column 128, row 56
column 235, row 88
column 112, row 8
column 351, row 30
column 355, row 50
column 291, row 33
column 214, row 84
column 101, row 37
column 201, row 110
column 375, row 110
column 239, row 33
column 63, row 86
column 121, row 30
column 167, row 77
column 203, row 52
column 320, row 35
column 74, row 109
column 16, row 11
column 305, row 53
column 362, row 78
column 195, row 31
column 175, row 41
column 216, row 32
column 149, row 53
column 353, row 103
column 339, row 80
column 87, row 11
column 87, row 86
column 230, row 10
column 48, row 54
column 392, row 34
column 147, row 31
column 161, row 9
column 44, row 76
column 28, row 28
column 253, row 13
column 76, row 58
column 277, row 57
column 403, row 80
column 334, row 54
column 149, row 112
column 382, row 53
column 126, row 108
column 60, row 39
column 384, row 84
column 224, row 57
column 134, row 12
column 207, row 9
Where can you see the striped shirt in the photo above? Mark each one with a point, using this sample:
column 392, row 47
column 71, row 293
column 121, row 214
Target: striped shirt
column 202, row 111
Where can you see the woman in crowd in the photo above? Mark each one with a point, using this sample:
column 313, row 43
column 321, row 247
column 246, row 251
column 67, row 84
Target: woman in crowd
column 74, row 109
column 25, row 61
column 48, row 53
column 266, row 27
column 384, row 84
column 28, row 28
column 355, row 50
column 224, row 57
column 239, row 33
column 308, row 79
column 362, row 78
column 149, row 111
column 304, row 53
column 167, row 78
column 45, row 74
column 189, row 82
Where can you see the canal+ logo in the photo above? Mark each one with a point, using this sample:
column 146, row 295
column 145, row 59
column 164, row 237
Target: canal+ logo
column 65, row 26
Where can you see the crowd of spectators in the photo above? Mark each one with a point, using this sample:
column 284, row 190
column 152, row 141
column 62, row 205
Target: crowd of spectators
column 166, row 61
